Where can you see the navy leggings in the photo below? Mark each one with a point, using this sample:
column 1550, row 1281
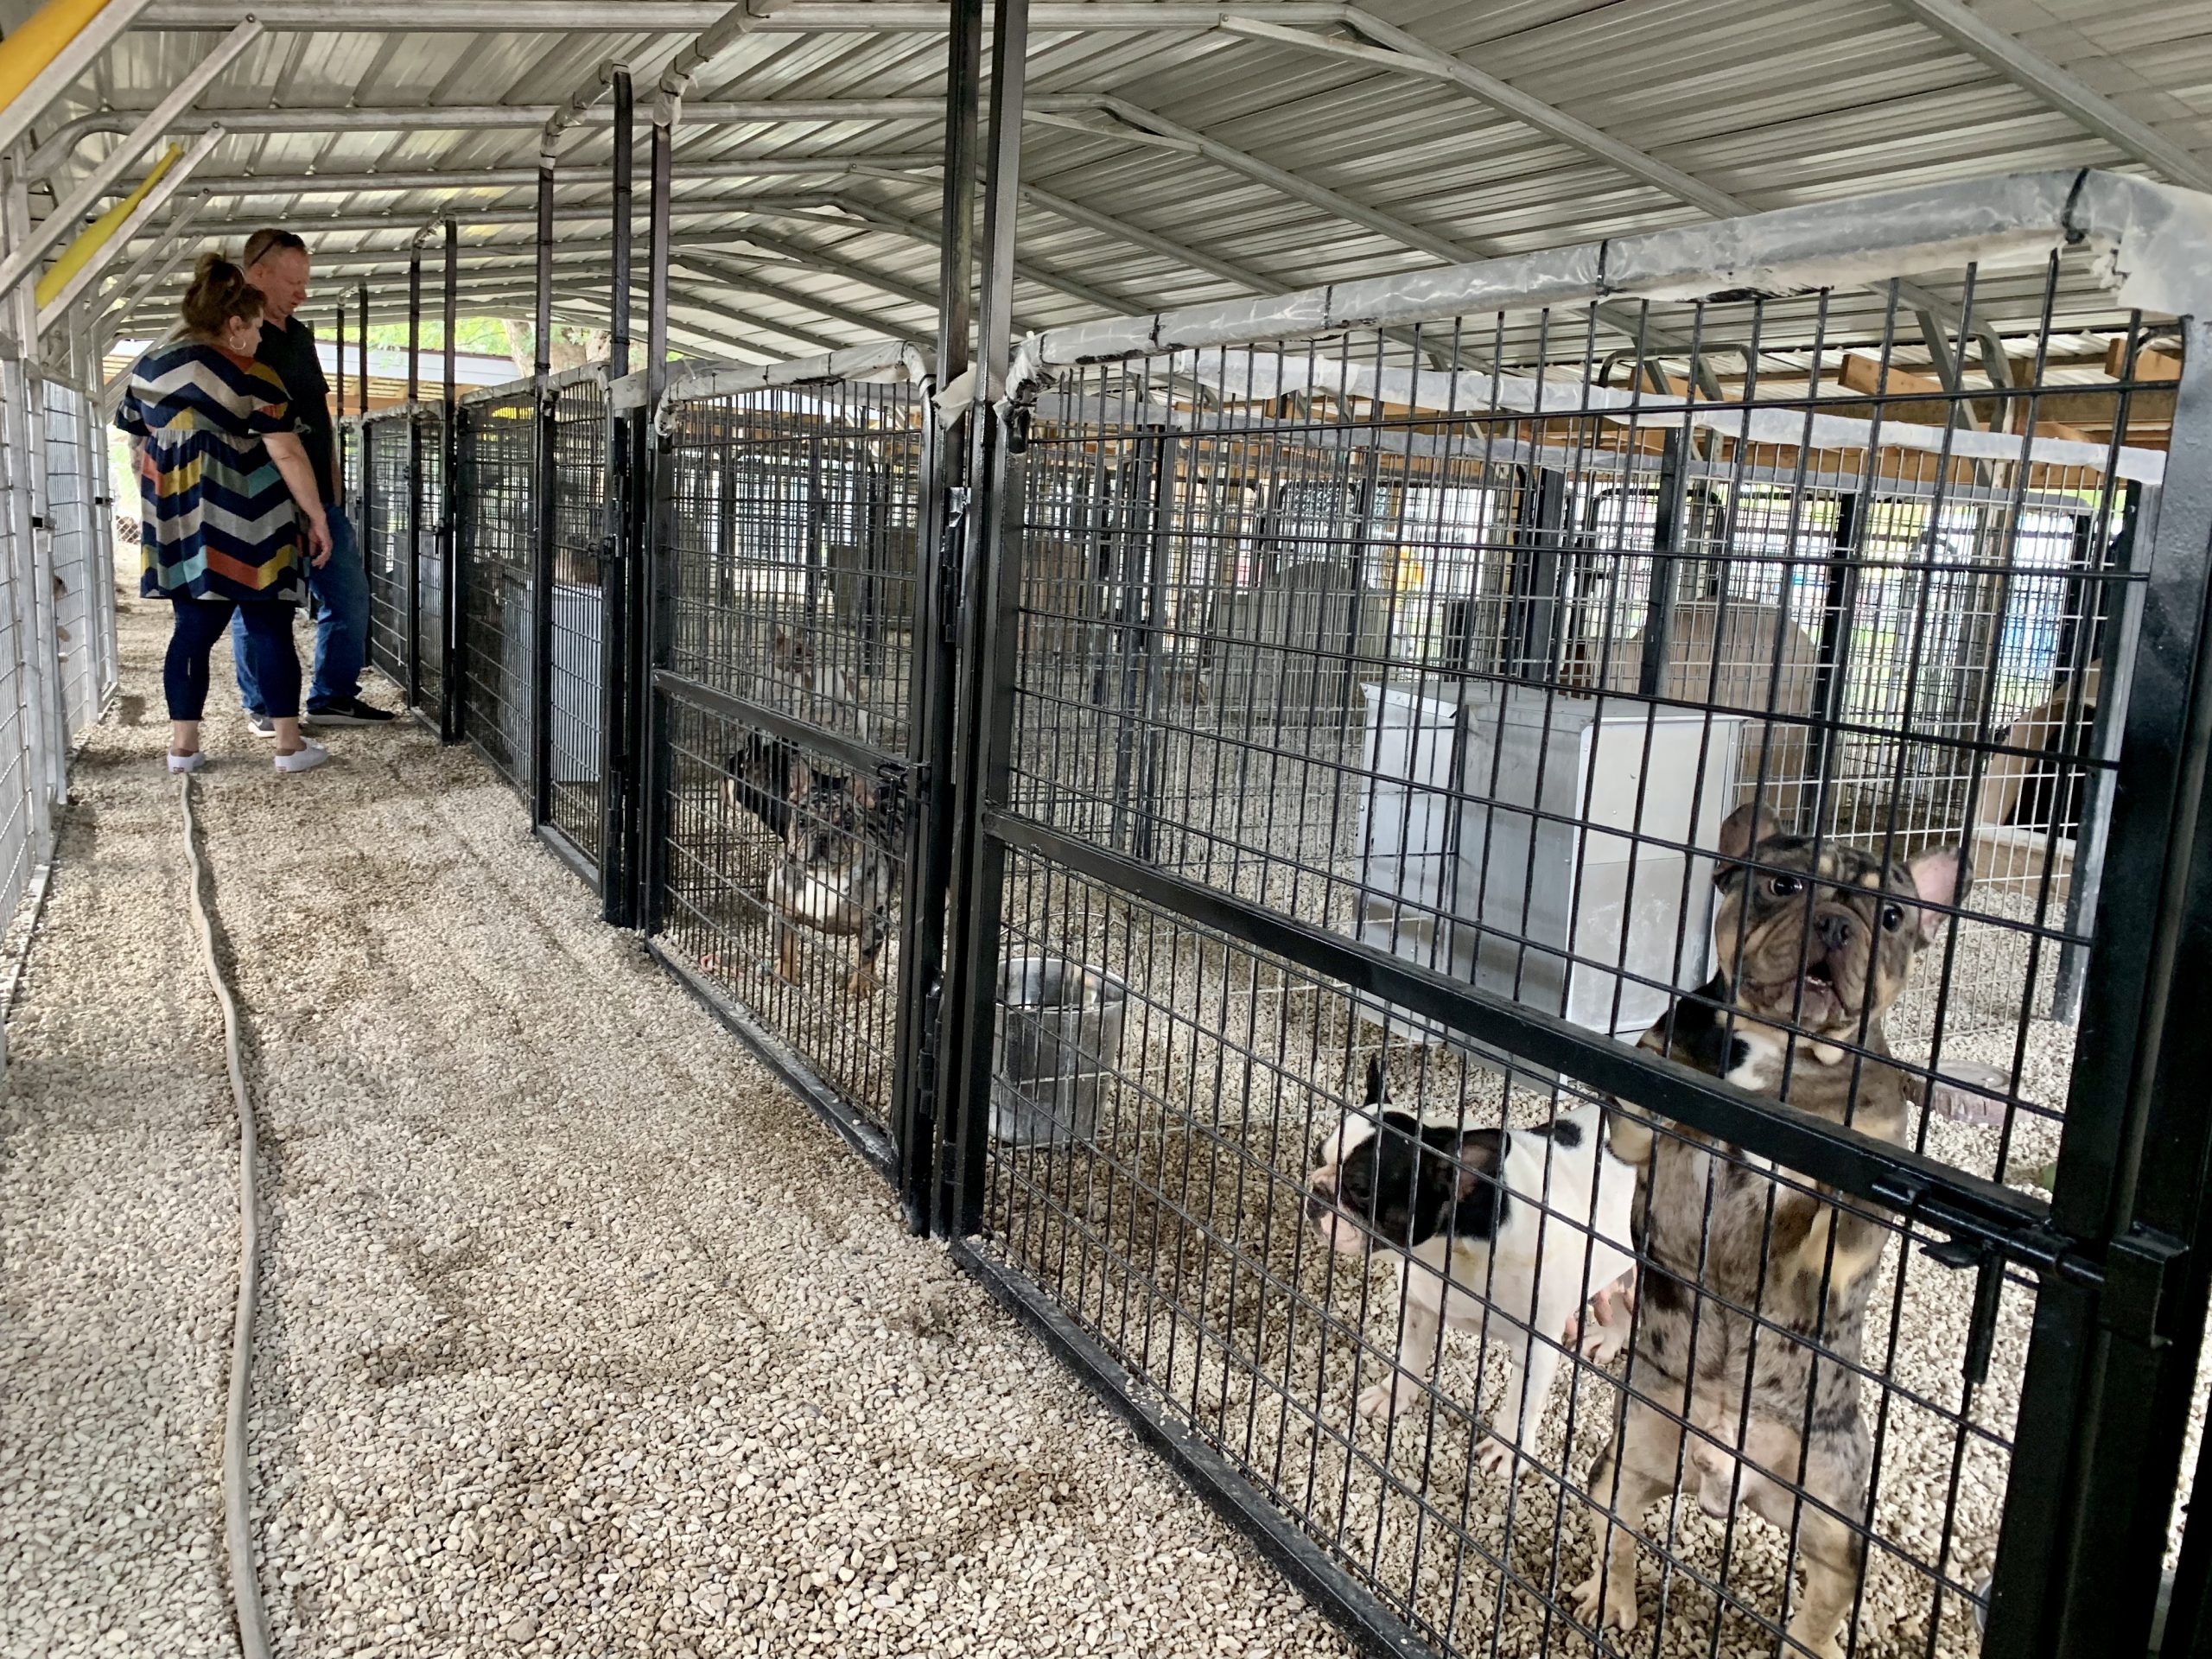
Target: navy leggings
column 200, row 624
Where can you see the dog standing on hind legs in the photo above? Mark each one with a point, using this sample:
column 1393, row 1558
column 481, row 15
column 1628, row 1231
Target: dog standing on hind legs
column 1813, row 942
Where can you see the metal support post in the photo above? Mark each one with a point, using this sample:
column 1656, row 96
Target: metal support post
column 452, row 634
column 413, row 632
column 918, row 1086
column 613, row 629
column 989, row 586
column 546, row 496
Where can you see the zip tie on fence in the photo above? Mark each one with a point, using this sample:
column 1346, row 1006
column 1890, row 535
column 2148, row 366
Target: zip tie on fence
column 237, row 1532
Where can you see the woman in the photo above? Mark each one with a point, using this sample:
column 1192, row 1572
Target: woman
column 218, row 452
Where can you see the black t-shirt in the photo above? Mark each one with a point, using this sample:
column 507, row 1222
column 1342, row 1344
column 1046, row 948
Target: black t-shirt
column 290, row 350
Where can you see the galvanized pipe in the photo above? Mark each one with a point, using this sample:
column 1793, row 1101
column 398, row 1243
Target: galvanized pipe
column 91, row 271
column 78, row 205
column 61, row 143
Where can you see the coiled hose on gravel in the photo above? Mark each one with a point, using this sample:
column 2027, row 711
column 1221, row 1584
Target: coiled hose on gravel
column 237, row 1531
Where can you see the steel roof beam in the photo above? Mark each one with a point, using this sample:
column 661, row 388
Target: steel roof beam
column 694, row 16
column 1396, row 49
column 1137, row 122
column 516, row 178
column 717, row 271
column 162, row 119
column 2029, row 70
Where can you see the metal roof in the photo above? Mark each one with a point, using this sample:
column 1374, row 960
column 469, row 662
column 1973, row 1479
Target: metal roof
column 1175, row 153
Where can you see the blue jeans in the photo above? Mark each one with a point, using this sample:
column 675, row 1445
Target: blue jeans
column 341, row 632
column 264, row 627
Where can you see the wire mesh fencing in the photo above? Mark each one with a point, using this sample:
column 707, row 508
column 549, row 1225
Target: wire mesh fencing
column 788, row 679
column 428, row 640
column 577, row 692
column 386, row 531
column 496, row 493
column 1480, row 835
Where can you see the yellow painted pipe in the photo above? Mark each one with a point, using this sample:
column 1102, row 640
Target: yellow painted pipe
column 40, row 40
column 89, row 238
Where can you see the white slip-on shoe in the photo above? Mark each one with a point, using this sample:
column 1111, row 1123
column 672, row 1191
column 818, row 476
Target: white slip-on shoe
column 306, row 758
column 191, row 762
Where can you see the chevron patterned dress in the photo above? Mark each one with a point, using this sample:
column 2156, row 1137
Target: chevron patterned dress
column 219, row 521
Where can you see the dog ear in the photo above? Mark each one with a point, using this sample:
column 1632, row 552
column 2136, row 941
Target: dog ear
column 1741, row 830
column 1479, row 1151
column 1378, row 1086
column 802, row 778
column 1940, row 876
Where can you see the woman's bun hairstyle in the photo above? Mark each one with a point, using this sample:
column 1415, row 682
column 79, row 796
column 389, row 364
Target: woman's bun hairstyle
column 219, row 291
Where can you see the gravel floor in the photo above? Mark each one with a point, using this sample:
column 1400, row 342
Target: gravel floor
column 580, row 1335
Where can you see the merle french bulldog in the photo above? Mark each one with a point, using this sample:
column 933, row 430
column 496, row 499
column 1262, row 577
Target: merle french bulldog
column 1508, row 1230
column 1745, row 1273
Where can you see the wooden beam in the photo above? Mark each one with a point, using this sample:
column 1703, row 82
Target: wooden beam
column 2151, row 363
column 1877, row 379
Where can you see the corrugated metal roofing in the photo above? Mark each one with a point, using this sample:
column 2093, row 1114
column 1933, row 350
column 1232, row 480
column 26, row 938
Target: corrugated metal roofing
column 1780, row 102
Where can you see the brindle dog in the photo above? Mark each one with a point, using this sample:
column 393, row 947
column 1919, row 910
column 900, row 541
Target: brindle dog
column 1813, row 945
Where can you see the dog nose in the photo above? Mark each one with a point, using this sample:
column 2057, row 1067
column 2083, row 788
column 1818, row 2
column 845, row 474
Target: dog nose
column 1319, row 1204
column 1834, row 931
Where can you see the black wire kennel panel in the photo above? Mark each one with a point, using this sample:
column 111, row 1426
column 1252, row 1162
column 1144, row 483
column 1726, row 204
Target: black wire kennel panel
column 576, row 718
column 1407, row 694
column 388, row 513
column 782, row 866
column 427, row 626
column 496, row 496
column 1159, row 1191
column 795, row 551
column 1392, row 669
column 788, row 519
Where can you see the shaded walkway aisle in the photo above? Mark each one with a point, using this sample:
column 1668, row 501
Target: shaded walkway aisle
column 581, row 1336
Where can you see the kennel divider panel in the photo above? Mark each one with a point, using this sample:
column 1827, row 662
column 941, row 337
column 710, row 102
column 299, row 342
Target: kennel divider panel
column 428, row 640
column 571, row 631
column 1267, row 895
column 496, row 493
column 788, row 572
column 388, row 511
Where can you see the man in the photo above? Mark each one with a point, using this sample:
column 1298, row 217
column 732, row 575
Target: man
column 277, row 263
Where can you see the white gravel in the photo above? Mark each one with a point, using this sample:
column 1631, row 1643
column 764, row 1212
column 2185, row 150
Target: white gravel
column 117, row 1234
column 580, row 1335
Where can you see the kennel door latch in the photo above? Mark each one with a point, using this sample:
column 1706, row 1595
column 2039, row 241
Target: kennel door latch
column 948, row 565
column 2144, row 1274
column 2028, row 1243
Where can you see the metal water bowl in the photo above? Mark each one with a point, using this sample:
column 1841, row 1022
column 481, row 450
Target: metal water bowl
column 1058, row 1031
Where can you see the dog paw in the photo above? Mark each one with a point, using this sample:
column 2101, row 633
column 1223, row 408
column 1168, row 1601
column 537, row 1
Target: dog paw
column 1378, row 1400
column 1620, row 1602
column 1604, row 1343
column 1821, row 1644
column 1494, row 1456
column 859, row 982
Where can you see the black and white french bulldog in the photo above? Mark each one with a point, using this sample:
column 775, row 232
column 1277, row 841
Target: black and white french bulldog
column 1515, row 1230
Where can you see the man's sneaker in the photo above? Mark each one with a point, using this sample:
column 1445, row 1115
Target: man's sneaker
column 351, row 711
column 260, row 725
column 306, row 758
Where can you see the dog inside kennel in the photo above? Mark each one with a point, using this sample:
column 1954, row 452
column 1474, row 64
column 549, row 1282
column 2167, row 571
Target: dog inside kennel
column 1247, row 828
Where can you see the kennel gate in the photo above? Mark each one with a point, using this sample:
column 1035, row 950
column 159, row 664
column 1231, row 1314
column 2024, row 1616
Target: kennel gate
column 527, row 567
column 495, row 493
column 789, row 639
column 2026, row 1366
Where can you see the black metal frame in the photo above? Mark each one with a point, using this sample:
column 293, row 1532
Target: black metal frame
column 2115, row 1261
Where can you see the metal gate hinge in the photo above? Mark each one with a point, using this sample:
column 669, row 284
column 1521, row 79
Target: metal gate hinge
column 2143, row 1273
